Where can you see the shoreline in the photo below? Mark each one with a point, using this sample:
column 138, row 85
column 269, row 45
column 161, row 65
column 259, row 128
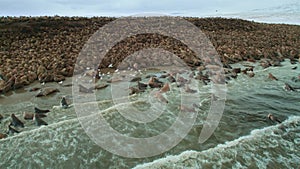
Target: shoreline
column 45, row 49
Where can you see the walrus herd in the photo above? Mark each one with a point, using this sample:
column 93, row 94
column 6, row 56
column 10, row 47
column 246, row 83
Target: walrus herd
column 36, row 116
column 45, row 49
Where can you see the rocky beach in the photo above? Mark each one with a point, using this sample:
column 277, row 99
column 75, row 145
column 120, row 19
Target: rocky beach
column 45, row 49
column 142, row 86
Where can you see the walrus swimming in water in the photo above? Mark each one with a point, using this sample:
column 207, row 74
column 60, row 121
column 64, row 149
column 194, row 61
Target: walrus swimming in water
column 165, row 88
column 29, row 116
column 134, row 90
column 171, row 79
column 273, row 118
column 271, row 76
column 154, row 82
column 11, row 130
column 15, row 121
column 64, row 103
column 142, row 86
column 289, row 87
column 181, row 81
column 40, row 111
column 38, row 121
column 2, row 135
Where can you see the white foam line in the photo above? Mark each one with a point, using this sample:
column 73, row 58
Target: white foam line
column 190, row 153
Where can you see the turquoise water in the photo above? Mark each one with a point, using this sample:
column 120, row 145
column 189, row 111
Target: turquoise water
column 245, row 138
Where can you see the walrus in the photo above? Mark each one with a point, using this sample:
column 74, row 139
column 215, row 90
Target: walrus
column 165, row 88
column 67, row 85
column 47, row 91
column 155, row 83
column 34, row 89
column 134, row 90
column 40, row 111
column 11, row 130
column 271, row 76
column 296, row 79
column 64, row 103
column 164, row 76
column 289, row 87
column 142, row 86
column 273, row 118
column 100, row 86
column 250, row 74
column 136, row 79
column 171, row 79
column 182, row 81
column 113, row 80
column 38, row 121
column 28, row 116
column 15, row 121
column 3, row 135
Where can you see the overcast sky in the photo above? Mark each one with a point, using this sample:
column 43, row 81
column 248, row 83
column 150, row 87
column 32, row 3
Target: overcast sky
column 129, row 7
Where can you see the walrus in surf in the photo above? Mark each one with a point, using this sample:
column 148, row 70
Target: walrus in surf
column 38, row 121
column 15, row 121
column 273, row 118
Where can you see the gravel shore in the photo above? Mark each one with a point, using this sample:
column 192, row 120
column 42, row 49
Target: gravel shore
column 46, row 48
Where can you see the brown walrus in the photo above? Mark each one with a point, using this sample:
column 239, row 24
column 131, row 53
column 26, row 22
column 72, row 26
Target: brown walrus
column 154, row 82
column 165, row 88
column 142, row 86
column 171, row 79
column 273, row 118
column 47, row 91
column 100, row 86
column 2, row 135
column 271, row 76
column 34, row 89
column 28, row 116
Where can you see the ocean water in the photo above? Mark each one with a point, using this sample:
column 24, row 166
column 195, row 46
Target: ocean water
column 244, row 138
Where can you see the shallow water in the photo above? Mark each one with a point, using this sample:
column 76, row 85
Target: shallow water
column 245, row 138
